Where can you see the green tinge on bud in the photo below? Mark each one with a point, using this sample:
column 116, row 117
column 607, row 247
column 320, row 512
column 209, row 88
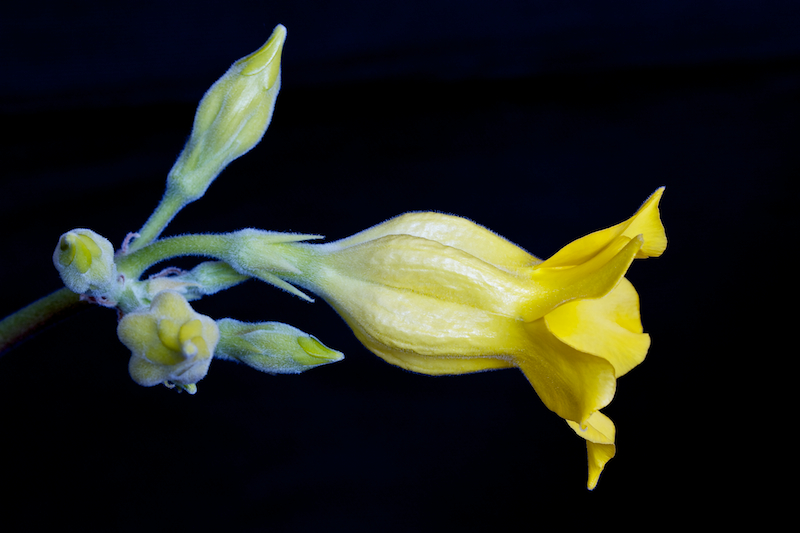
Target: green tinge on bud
column 230, row 120
column 85, row 262
column 210, row 277
column 205, row 279
column 272, row 347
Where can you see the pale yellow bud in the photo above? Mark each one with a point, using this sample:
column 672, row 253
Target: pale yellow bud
column 85, row 262
column 169, row 342
column 230, row 120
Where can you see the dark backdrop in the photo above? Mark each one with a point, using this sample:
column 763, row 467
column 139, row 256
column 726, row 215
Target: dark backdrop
column 541, row 120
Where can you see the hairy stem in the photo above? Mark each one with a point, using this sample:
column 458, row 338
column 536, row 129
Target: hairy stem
column 135, row 263
column 167, row 209
column 42, row 313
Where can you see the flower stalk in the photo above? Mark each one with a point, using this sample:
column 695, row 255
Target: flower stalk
column 37, row 316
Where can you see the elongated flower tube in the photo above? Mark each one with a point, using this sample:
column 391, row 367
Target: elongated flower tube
column 438, row 294
column 170, row 343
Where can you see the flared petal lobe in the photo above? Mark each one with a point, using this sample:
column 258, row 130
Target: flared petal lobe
column 645, row 222
column 609, row 327
column 571, row 383
column 594, row 278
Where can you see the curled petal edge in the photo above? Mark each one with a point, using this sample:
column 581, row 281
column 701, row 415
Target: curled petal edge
column 600, row 448
column 646, row 222
column 609, row 327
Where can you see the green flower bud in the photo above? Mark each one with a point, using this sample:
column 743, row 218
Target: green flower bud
column 210, row 277
column 85, row 262
column 230, row 120
column 272, row 347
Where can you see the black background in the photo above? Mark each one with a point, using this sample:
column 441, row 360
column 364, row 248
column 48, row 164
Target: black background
column 540, row 120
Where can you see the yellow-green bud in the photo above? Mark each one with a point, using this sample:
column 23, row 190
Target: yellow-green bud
column 85, row 261
column 230, row 120
column 272, row 347
column 169, row 342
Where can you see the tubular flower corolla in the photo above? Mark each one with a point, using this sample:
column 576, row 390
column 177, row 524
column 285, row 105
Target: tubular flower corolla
column 438, row 294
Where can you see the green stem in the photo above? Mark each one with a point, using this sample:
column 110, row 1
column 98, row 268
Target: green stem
column 133, row 264
column 169, row 206
column 277, row 257
column 42, row 313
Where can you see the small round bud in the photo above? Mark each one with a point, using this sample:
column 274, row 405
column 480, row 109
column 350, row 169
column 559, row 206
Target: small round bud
column 85, row 261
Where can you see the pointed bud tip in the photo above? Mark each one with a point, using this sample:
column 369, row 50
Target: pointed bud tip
column 317, row 350
column 266, row 56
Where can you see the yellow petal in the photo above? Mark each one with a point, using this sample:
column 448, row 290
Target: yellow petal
column 420, row 333
column 168, row 332
column 173, row 305
column 452, row 231
column 609, row 327
column 592, row 279
column 599, row 455
column 83, row 253
column 645, row 222
column 444, row 273
column 571, row 383
column 599, row 429
column 140, row 332
column 600, row 448
column 91, row 246
column 191, row 329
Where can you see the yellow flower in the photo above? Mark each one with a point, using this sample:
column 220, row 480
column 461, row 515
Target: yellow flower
column 438, row 294
column 169, row 342
column 85, row 262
